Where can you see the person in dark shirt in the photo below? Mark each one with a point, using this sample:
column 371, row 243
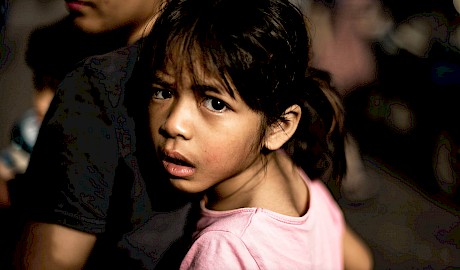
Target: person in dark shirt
column 84, row 194
column 47, row 56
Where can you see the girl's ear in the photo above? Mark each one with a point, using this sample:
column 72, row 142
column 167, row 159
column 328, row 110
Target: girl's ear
column 281, row 131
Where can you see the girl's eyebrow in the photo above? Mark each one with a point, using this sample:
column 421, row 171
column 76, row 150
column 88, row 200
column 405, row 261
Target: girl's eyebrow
column 167, row 81
column 202, row 88
column 218, row 89
column 158, row 79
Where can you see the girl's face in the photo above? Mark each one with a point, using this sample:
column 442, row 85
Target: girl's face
column 203, row 136
column 98, row 16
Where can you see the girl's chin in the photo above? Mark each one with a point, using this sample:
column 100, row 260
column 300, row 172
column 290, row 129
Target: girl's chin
column 186, row 186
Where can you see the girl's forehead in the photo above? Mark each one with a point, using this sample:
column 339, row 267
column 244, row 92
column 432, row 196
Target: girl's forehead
column 197, row 79
column 192, row 57
column 185, row 71
column 193, row 72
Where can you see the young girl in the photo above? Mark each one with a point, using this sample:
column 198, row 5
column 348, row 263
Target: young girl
column 235, row 113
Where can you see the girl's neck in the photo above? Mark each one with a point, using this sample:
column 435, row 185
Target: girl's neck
column 276, row 186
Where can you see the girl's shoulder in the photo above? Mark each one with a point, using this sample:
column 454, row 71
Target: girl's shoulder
column 322, row 202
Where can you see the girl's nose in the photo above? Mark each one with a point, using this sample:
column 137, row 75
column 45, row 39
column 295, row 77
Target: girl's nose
column 179, row 121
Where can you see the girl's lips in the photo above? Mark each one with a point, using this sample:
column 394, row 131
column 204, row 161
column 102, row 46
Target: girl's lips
column 177, row 165
column 178, row 170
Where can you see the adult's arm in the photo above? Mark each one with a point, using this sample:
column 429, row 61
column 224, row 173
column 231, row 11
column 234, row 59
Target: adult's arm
column 357, row 255
column 51, row 246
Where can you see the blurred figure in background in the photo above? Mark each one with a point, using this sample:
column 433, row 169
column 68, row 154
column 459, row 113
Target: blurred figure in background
column 15, row 158
column 52, row 51
column 410, row 109
column 422, row 73
column 344, row 32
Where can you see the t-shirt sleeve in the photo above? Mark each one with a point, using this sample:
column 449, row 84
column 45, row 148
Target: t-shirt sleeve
column 70, row 175
column 218, row 250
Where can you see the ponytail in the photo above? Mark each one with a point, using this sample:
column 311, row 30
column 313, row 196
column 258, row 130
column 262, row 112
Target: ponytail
column 318, row 143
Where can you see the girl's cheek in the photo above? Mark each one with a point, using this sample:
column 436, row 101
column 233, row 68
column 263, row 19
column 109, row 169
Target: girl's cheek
column 213, row 154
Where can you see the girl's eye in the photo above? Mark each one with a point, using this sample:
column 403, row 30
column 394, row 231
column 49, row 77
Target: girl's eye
column 159, row 93
column 215, row 104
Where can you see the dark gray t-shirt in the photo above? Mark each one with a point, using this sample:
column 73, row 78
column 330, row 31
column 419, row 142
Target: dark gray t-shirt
column 85, row 172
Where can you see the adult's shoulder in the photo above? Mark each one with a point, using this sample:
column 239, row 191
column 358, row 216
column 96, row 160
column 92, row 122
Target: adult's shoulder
column 101, row 78
column 121, row 60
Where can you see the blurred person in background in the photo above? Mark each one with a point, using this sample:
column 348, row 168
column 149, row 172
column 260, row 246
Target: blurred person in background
column 52, row 51
column 424, row 48
column 344, row 32
column 84, row 194
column 14, row 158
column 411, row 107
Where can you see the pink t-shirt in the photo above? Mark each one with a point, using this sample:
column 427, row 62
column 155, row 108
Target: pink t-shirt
column 256, row 238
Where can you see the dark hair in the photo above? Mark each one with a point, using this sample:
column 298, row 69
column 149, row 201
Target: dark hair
column 261, row 47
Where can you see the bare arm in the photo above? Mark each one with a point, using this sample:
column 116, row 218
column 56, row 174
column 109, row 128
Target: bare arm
column 357, row 255
column 51, row 246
